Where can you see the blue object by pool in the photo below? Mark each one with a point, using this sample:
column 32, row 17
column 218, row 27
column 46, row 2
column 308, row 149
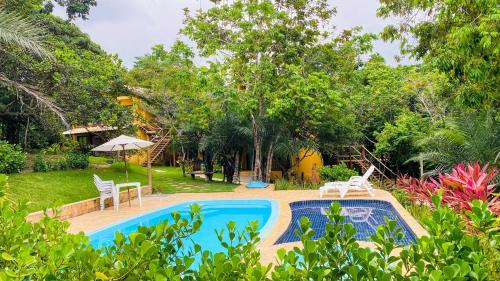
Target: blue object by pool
column 365, row 215
column 257, row 184
column 216, row 214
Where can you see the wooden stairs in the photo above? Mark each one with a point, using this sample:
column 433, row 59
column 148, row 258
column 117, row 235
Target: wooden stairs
column 159, row 136
column 360, row 156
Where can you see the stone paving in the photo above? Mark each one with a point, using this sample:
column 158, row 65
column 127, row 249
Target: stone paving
column 92, row 221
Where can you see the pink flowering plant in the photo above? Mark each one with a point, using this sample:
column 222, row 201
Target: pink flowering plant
column 461, row 186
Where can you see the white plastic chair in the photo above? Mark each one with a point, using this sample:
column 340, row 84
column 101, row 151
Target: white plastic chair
column 106, row 190
column 354, row 183
column 109, row 189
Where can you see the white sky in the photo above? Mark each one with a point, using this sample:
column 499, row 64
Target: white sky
column 130, row 28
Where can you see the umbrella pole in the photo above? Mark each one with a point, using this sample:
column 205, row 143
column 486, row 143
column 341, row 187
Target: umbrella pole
column 126, row 174
column 150, row 174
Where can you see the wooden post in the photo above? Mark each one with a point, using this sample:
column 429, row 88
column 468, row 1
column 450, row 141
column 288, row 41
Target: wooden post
column 150, row 174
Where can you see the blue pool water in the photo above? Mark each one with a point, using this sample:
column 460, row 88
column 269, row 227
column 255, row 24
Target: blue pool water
column 257, row 184
column 215, row 213
column 365, row 215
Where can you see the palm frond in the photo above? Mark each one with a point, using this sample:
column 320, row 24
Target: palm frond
column 24, row 33
column 37, row 95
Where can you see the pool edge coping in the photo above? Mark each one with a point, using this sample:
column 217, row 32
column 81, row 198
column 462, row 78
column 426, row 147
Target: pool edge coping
column 266, row 228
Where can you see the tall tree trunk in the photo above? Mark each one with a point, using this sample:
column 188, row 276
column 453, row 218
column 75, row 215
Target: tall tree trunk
column 236, row 174
column 183, row 161
column 269, row 160
column 257, row 146
column 228, row 166
column 26, row 133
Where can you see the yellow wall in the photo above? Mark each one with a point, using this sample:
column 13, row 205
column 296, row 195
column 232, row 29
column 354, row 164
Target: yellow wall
column 140, row 156
column 309, row 166
column 135, row 103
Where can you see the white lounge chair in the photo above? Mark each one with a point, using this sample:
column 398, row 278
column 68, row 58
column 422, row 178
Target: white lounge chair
column 354, row 183
column 108, row 189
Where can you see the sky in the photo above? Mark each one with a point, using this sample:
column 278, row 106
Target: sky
column 130, row 28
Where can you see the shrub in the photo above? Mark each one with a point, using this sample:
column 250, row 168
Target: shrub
column 40, row 165
column 338, row 172
column 460, row 187
column 77, row 160
column 57, row 164
column 12, row 158
column 72, row 160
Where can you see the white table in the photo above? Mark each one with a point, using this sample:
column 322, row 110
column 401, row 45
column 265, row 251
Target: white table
column 128, row 185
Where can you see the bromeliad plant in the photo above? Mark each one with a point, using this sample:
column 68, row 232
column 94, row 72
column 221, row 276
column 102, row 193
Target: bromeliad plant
column 461, row 186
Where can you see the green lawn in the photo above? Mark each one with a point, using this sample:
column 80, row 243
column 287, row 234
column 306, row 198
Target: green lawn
column 47, row 189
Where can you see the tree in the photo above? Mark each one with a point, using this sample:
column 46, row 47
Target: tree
column 460, row 38
column 168, row 79
column 78, row 83
column 74, row 8
column 378, row 95
column 398, row 141
column 259, row 42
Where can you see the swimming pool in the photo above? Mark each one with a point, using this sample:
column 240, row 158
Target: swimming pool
column 365, row 215
column 215, row 213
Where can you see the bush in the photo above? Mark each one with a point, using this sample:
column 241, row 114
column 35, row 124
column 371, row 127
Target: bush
column 77, row 160
column 70, row 161
column 338, row 172
column 12, row 158
column 40, row 165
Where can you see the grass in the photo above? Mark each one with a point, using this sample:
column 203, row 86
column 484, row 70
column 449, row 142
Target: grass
column 282, row 184
column 418, row 211
column 47, row 189
column 99, row 160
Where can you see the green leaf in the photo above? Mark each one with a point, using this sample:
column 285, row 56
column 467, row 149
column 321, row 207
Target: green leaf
column 7, row 257
column 101, row 276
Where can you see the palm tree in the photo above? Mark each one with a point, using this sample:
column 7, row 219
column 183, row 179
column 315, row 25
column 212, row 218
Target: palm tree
column 26, row 34
column 23, row 33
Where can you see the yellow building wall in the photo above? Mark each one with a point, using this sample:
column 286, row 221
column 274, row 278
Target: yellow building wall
column 309, row 166
column 140, row 156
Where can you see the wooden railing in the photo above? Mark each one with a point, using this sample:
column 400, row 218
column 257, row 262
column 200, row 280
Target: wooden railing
column 364, row 158
column 160, row 143
column 158, row 135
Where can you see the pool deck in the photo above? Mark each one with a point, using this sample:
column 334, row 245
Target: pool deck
column 95, row 220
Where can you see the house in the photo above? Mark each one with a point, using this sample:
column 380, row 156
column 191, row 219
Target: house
column 90, row 135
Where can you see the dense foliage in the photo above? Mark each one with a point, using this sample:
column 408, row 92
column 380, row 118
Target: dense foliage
column 284, row 87
column 338, row 172
column 12, row 158
column 459, row 38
